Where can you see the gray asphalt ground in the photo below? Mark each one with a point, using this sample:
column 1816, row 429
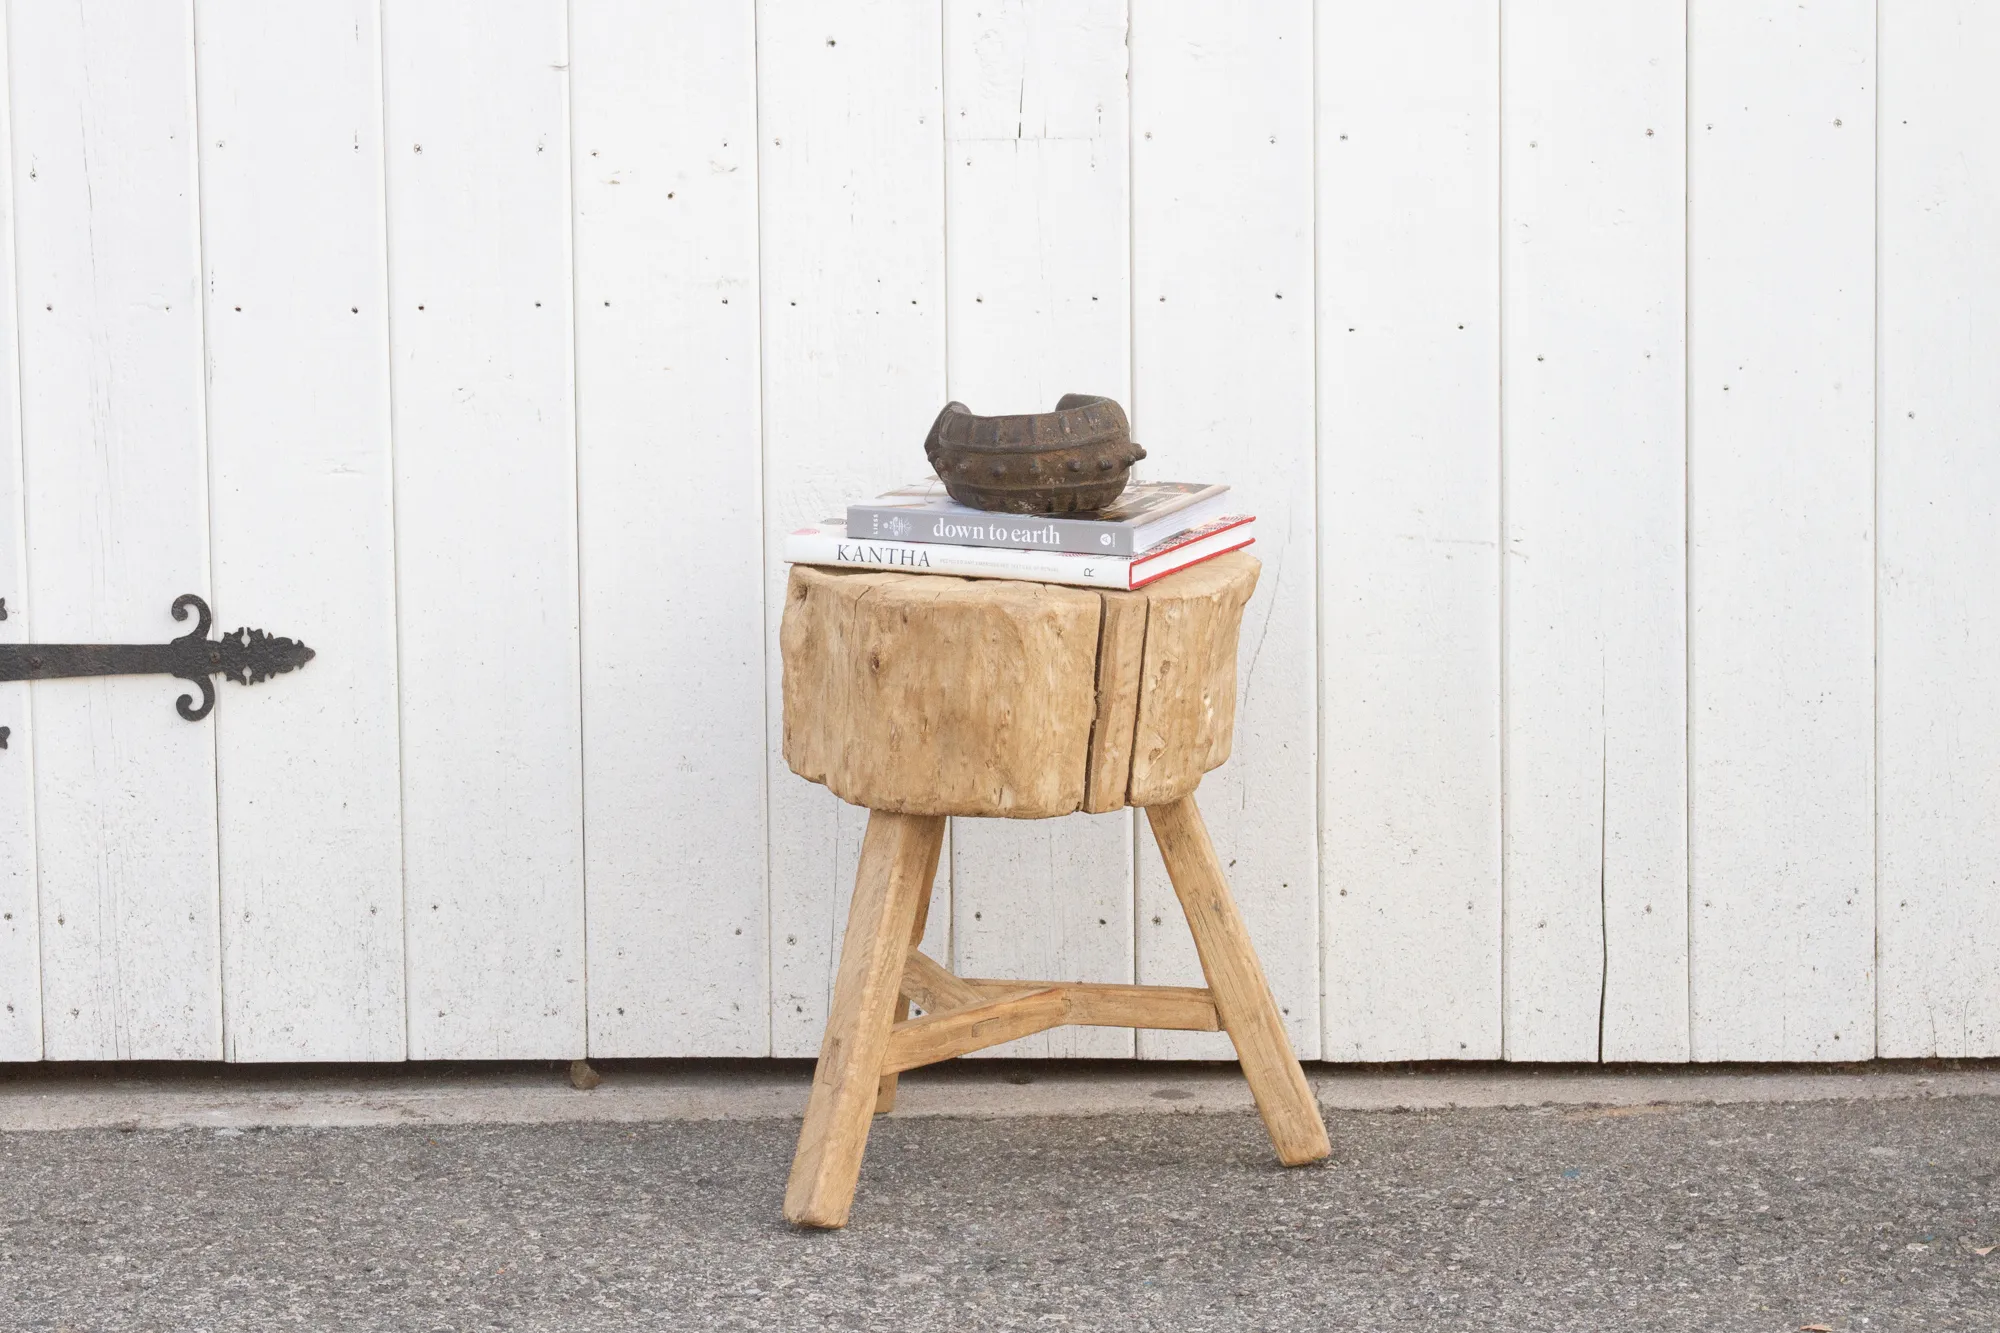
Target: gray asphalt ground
column 1762, row 1216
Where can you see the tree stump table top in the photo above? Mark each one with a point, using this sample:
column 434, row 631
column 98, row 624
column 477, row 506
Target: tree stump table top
column 922, row 694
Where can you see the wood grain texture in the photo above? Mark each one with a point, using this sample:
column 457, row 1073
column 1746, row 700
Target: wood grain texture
column 922, row 694
column 896, row 867
column 1036, row 111
column 1187, row 677
column 1236, row 981
column 1167, row 1008
column 20, row 932
column 885, row 1086
column 1409, row 609
column 928, row 695
column 1938, row 479
column 479, row 278
column 107, row 253
column 1007, row 1016
column 851, row 221
column 1121, row 646
column 1152, row 1008
column 933, row 986
column 297, row 321
column 669, row 488
column 1188, row 1008
column 1223, row 389
column 1595, row 582
column 1781, row 244
column 925, row 694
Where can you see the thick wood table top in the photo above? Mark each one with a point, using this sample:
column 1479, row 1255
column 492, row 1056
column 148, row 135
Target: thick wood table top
column 928, row 695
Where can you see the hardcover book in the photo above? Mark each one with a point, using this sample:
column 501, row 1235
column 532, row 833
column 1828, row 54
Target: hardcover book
column 1144, row 515
column 827, row 543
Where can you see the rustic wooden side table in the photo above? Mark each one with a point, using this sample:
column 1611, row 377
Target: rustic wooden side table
column 920, row 696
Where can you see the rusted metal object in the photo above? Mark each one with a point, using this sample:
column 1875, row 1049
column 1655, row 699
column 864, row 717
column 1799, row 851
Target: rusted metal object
column 246, row 656
column 1072, row 460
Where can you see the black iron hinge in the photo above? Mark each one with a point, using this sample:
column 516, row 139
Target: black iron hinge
column 246, row 656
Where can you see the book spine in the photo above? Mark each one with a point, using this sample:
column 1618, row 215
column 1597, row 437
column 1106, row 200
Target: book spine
column 1013, row 532
column 819, row 547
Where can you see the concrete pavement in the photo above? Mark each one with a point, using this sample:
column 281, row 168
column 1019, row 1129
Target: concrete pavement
column 1511, row 1200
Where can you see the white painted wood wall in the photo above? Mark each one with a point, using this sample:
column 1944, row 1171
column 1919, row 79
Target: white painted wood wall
column 1618, row 387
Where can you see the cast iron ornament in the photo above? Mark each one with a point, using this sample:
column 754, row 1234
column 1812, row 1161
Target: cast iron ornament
column 1072, row 460
column 246, row 656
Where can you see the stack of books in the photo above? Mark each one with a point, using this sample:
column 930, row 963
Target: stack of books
column 1152, row 530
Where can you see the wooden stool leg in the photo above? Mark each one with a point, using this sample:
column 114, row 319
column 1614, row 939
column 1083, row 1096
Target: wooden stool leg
column 898, row 860
column 885, row 1089
column 1236, row 979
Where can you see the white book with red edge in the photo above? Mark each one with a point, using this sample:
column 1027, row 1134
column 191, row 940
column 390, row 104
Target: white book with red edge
column 827, row 543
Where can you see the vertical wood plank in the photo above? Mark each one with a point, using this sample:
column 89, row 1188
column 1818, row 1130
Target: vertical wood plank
column 851, row 217
column 1408, row 313
column 107, row 238
column 1593, row 424
column 671, row 513
column 1037, row 177
column 1047, row 898
column 1939, row 478
column 1781, row 527
column 299, row 456
column 20, row 935
column 477, row 146
column 1222, row 331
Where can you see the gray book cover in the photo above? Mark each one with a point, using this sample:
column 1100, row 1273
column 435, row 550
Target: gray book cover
column 1146, row 513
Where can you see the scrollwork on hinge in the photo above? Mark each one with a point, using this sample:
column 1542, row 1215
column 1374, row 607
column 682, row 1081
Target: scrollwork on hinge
column 246, row 656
